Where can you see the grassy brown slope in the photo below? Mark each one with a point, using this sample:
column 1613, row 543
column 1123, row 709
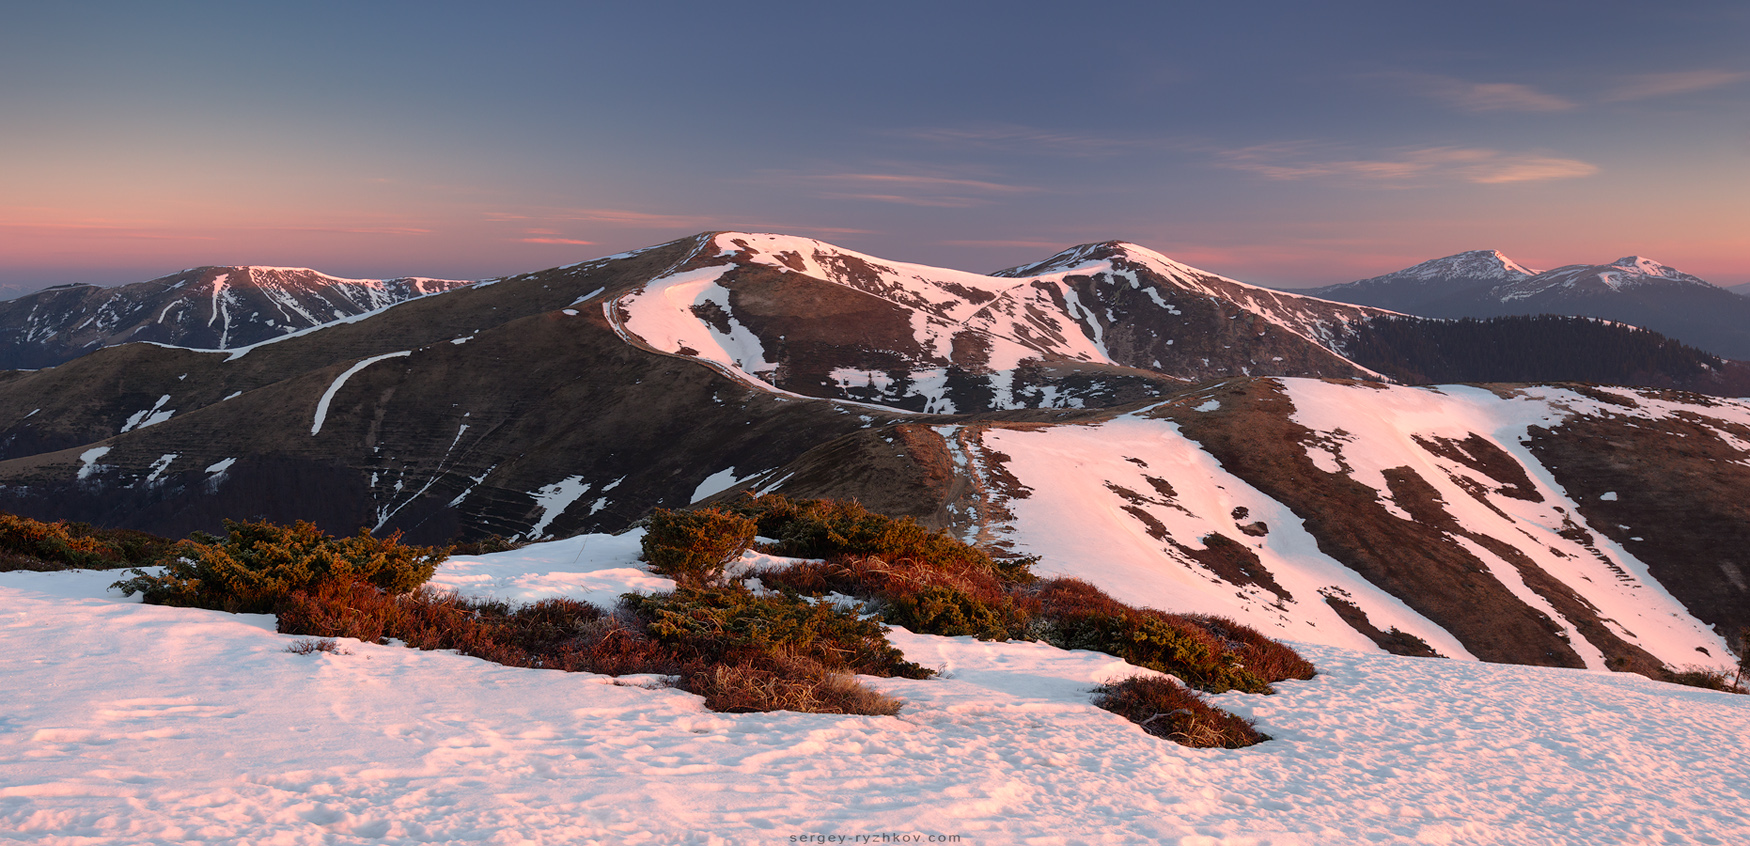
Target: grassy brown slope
column 544, row 398
column 1680, row 503
column 902, row 470
column 90, row 398
column 1254, row 437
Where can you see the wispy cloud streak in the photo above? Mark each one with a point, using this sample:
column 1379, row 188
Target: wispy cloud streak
column 1648, row 86
column 1403, row 168
column 1028, row 139
column 910, row 189
column 1482, row 96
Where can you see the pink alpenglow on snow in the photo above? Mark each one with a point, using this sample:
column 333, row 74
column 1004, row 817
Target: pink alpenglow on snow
column 127, row 723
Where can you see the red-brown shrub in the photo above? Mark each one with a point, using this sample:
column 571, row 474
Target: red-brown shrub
column 754, row 681
column 1165, row 709
column 1270, row 659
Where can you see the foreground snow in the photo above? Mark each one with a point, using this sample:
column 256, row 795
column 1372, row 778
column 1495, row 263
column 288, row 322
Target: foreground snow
column 127, row 723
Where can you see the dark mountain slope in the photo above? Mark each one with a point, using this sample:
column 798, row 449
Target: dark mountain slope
column 567, row 429
column 1545, row 348
column 96, row 396
column 1631, row 290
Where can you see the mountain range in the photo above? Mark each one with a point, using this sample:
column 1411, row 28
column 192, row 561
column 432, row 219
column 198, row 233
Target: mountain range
column 1220, row 447
column 213, row 308
column 1633, row 290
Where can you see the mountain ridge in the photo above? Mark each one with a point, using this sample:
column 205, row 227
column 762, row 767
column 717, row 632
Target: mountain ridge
column 208, row 307
column 1633, row 290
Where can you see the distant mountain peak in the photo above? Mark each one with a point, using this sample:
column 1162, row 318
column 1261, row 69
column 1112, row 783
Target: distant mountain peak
column 212, row 307
column 1590, row 280
column 1099, row 255
column 1648, row 267
column 1471, row 264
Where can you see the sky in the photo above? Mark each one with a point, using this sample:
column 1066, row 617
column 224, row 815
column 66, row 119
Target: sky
column 1281, row 143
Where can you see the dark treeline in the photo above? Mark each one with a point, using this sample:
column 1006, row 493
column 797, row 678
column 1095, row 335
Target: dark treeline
column 1543, row 348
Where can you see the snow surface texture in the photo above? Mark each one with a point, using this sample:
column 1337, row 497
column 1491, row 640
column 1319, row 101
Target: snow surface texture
column 126, row 723
column 1083, row 487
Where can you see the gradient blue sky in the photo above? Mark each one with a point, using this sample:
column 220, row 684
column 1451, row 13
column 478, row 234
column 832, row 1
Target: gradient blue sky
column 1282, row 143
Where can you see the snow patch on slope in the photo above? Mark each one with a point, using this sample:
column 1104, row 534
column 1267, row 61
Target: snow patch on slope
column 1379, row 428
column 666, row 315
column 553, row 500
column 88, row 465
column 334, row 387
column 150, row 416
column 1098, row 507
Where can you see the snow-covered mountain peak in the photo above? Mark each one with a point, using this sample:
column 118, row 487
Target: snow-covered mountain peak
column 1471, row 264
column 1625, row 273
column 1091, row 256
column 1412, row 288
column 798, row 315
column 934, row 288
column 1648, row 267
column 1122, row 259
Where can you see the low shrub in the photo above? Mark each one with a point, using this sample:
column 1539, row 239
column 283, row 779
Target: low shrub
column 486, row 545
column 1077, row 615
column 951, row 612
column 932, row 583
column 1270, row 660
column 257, row 564
column 889, row 578
column 692, row 547
column 712, row 624
column 739, row 651
column 560, row 634
column 821, row 528
column 1710, row 678
column 27, row 544
column 1165, row 709
column 341, row 609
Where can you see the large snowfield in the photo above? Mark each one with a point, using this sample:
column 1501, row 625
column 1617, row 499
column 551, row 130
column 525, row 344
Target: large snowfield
column 127, row 723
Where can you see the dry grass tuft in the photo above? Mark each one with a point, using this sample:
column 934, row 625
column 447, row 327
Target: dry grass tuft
column 1165, row 709
column 1725, row 681
column 309, row 647
column 785, row 683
